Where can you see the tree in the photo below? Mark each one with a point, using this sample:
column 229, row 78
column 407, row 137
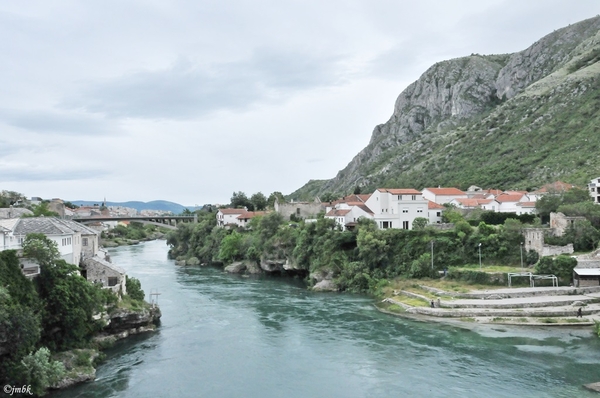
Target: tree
column 42, row 210
column 11, row 198
column 357, row 190
column 239, row 200
column 583, row 235
column 420, row 223
column 40, row 248
column 70, row 303
column 329, row 197
column 561, row 266
column 231, row 248
column 134, row 288
column 275, row 195
column 259, row 201
column 41, row 372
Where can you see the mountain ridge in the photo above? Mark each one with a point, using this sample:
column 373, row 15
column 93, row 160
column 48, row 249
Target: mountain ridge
column 545, row 95
column 162, row 205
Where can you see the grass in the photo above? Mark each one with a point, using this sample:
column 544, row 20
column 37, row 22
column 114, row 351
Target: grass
column 493, row 268
column 413, row 302
column 130, row 304
column 523, row 320
column 549, row 320
column 468, row 319
column 498, row 319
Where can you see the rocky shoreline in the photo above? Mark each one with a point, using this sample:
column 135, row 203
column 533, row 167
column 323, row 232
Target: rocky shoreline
column 121, row 323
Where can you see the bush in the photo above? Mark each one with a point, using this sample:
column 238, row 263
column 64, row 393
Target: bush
column 134, row 288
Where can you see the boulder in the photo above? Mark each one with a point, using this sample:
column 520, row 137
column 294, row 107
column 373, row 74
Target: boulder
column 236, row 268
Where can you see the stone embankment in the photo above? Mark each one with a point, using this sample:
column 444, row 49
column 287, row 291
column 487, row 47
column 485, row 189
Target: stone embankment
column 523, row 306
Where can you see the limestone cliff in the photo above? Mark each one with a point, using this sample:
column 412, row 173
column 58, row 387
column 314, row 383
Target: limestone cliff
column 447, row 114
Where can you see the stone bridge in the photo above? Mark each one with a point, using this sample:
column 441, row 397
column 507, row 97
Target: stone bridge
column 162, row 221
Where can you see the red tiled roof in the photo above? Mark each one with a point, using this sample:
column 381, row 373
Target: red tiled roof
column 495, row 192
column 509, row 198
column 337, row 212
column 246, row 215
column 232, row 211
column 432, row 206
column 446, row 191
column 557, row 186
column 472, row 202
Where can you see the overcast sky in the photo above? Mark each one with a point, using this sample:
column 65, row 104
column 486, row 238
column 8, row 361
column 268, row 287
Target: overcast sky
column 189, row 101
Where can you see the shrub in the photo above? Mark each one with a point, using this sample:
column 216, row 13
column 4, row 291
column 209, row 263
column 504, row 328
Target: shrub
column 134, row 288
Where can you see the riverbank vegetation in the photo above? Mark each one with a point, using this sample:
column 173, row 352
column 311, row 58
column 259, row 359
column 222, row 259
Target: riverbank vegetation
column 131, row 234
column 57, row 311
column 364, row 260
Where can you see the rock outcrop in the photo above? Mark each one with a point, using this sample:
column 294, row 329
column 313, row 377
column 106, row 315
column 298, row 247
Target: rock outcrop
column 441, row 121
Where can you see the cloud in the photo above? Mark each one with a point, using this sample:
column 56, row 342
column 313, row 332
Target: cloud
column 57, row 122
column 185, row 91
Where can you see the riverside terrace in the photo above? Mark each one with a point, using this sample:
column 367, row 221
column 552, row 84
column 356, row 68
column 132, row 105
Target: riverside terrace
column 163, row 221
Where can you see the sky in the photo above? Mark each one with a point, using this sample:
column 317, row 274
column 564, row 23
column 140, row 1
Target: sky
column 190, row 101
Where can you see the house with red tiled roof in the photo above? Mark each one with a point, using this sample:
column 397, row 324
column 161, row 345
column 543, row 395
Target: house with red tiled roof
column 244, row 218
column 443, row 195
column 229, row 216
column 471, row 203
column 397, row 208
column 513, row 202
column 435, row 212
column 346, row 211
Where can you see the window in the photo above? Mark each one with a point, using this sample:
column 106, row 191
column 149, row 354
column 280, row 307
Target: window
column 414, row 197
column 419, row 210
column 297, row 211
column 439, row 213
column 113, row 281
column 404, row 224
column 386, row 224
column 85, row 241
column 405, row 210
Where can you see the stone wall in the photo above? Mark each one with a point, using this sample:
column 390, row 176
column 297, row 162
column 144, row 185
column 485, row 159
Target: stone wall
column 559, row 223
column 101, row 271
column 300, row 209
column 549, row 250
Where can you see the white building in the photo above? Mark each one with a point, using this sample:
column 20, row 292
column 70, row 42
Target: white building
column 435, row 212
column 443, row 195
column 229, row 216
column 347, row 213
column 397, row 208
column 594, row 188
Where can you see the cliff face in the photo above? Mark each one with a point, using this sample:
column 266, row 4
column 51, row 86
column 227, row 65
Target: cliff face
column 455, row 104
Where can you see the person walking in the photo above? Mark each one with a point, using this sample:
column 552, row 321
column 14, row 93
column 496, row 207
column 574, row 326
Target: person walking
column 579, row 314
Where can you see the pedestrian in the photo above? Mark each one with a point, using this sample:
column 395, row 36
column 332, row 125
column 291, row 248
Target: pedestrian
column 432, row 304
column 579, row 314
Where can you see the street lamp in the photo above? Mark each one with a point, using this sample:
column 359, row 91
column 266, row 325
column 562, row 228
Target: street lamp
column 479, row 256
column 521, row 254
column 432, row 257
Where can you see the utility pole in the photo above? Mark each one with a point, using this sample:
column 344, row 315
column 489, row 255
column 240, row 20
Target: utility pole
column 480, row 256
column 521, row 254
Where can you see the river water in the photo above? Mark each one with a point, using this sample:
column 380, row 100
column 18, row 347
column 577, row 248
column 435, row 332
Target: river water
column 225, row 335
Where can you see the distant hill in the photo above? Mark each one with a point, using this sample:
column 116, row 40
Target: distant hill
column 511, row 121
column 162, row 205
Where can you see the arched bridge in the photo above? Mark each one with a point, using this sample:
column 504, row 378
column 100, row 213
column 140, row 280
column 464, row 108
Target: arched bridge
column 162, row 221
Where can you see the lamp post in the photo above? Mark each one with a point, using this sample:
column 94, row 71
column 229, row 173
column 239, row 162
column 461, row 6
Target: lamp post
column 432, row 257
column 479, row 256
column 521, row 254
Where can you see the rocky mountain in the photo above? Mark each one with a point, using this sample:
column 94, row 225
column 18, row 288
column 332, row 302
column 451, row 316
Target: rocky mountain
column 513, row 121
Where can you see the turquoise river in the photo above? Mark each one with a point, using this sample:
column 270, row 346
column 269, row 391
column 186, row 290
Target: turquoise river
column 225, row 335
